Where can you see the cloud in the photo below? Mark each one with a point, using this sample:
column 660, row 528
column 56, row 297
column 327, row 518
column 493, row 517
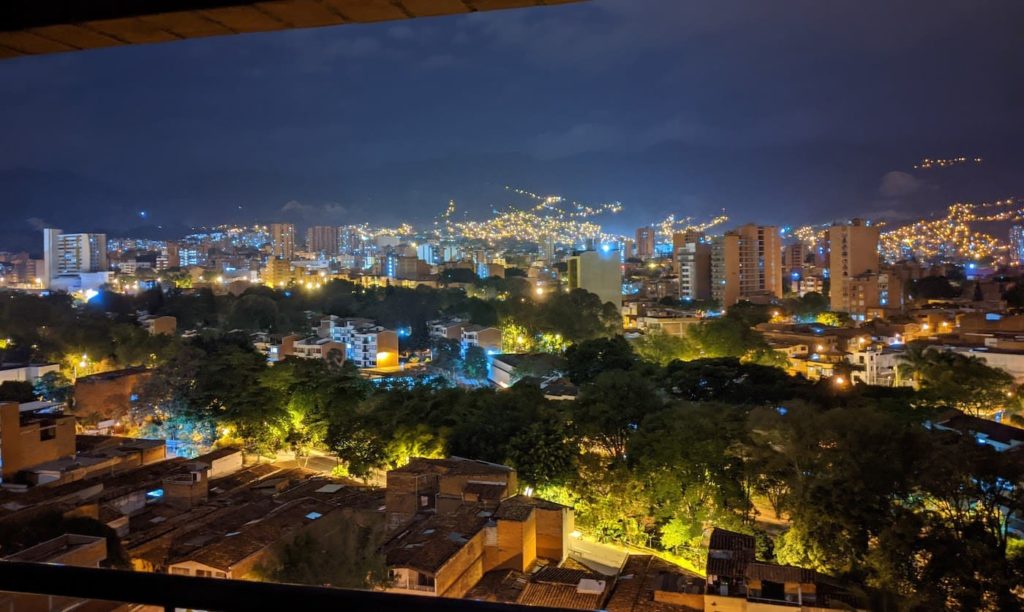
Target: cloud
column 37, row 224
column 898, row 184
column 590, row 137
column 310, row 214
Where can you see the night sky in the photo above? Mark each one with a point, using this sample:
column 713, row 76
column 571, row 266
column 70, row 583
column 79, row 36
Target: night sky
column 782, row 112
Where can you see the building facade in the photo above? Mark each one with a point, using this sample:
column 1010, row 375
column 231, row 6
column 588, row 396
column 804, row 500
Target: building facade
column 599, row 273
column 853, row 251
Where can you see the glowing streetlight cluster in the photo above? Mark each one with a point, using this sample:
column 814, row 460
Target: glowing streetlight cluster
column 670, row 225
column 928, row 163
column 952, row 236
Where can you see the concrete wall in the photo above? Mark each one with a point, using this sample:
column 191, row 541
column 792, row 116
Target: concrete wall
column 553, row 529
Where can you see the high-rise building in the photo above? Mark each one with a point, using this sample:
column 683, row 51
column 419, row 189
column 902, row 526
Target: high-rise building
column 1017, row 244
column 428, row 253
column 322, row 239
column 72, row 254
column 681, row 239
column 598, row 272
column 853, row 250
column 694, row 263
column 645, row 242
column 282, row 239
column 746, row 264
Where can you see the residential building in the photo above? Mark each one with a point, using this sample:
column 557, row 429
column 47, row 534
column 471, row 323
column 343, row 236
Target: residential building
column 746, row 264
column 599, row 272
column 322, row 239
column 1017, row 244
column 667, row 321
column 693, row 260
column 871, row 294
column 159, row 326
column 26, row 372
column 999, row 436
column 446, row 329
column 313, row 348
column 487, row 338
column 367, row 345
column 645, row 242
column 458, row 519
column 282, row 241
column 72, row 254
column 853, row 251
column 736, row 580
column 32, row 434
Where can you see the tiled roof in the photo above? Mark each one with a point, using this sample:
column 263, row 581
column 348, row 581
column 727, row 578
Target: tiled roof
column 427, row 545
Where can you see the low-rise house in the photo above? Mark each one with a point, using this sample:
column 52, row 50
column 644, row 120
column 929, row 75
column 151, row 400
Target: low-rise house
column 999, row 436
column 446, row 329
column 736, row 580
column 487, row 338
column 26, row 372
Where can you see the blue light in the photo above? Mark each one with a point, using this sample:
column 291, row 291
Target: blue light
column 782, row 410
column 155, row 493
column 972, row 266
column 606, row 247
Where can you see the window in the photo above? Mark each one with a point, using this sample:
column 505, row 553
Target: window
column 424, row 581
column 181, row 571
column 47, row 433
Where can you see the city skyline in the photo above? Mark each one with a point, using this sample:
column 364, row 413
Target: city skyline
column 386, row 123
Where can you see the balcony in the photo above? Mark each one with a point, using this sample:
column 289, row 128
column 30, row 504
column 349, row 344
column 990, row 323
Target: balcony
column 175, row 592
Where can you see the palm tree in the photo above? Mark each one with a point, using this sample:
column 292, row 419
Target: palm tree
column 914, row 363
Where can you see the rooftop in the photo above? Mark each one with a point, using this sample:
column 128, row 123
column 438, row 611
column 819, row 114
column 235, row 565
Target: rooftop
column 428, row 544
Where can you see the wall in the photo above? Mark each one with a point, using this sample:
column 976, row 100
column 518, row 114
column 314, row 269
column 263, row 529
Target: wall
column 100, row 397
column 21, row 446
column 552, row 533
column 463, row 570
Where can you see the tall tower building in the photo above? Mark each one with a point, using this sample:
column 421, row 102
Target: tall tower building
column 746, row 263
column 322, row 239
column 1017, row 244
column 598, row 272
column 694, row 263
column 72, row 254
column 282, row 239
column 853, row 251
column 645, row 242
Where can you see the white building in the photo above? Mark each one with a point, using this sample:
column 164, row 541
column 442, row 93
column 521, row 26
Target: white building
column 71, row 254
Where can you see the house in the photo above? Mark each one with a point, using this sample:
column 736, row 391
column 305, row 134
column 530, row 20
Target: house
column 446, row 329
column 67, row 549
column 367, row 345
column 736, row 580
column 159, row 325
column 508, row 368
column 458, row 519
column 487, row 338
column 26, row 372
column 999, row 436
column 33, row 434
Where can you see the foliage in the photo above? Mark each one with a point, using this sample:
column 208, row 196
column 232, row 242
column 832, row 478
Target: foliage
column 348, row 556
column 952, row 379
column 20, row 391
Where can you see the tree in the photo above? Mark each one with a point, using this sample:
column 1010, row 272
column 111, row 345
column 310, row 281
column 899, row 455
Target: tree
column 660, row 348
column 348, row 556
column 20, row 391
column 611, row 408
column 446, row 354
column 933, row 288
column 586, row 360
column 54, row 387
column 475, row 364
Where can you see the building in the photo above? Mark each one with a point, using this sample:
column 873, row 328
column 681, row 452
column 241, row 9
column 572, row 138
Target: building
column 599, row 272
column 108, row 395
column 736, row 580
column 487, row 338
column 645, row 242
column 26, row 372
column 322, row 239
column 367, row 345
column 67, row 549
column 667, row 321
column 159, row 326
column 853, row 251
column 458, row 519
column 282, row 241
column 1017, row 244
column 445, row 329
column 72, row 254
column 693, row 260
column 681, row 239
column 871, row 294
column 313, row 348
column 32, row 434
column 746, row 264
